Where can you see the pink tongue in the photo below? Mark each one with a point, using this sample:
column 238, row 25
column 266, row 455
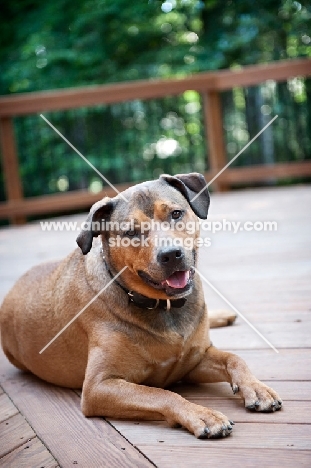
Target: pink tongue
column 177, row 280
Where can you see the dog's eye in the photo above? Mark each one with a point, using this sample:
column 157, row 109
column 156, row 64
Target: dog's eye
column 176, row 214
column 131, row 233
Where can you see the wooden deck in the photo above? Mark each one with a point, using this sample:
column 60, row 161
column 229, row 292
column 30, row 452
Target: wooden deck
column 266, row 275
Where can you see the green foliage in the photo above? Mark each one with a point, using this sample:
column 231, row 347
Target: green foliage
column 247, row 32
column 59, row 44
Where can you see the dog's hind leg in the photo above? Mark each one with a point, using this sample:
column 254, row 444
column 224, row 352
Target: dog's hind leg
column 221, row 318
column 14, row 361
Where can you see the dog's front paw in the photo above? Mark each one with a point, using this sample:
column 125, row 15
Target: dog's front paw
column 258, row 396
column 206, row 423
column 219, row 427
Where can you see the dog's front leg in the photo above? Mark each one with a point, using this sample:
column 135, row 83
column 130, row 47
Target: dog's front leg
column 220, row 366
column 115, row 397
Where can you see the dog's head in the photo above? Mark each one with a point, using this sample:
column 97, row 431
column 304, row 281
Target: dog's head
column 153, row 233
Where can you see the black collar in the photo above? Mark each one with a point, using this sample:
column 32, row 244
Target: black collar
column 144, row 302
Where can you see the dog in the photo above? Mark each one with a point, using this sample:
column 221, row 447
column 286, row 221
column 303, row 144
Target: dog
column 146, row 325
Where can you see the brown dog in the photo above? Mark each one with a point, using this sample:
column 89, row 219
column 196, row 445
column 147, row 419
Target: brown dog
column 148, row 329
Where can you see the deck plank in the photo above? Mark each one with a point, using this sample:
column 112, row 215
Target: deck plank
column 14, row 432
column 289, row 364
column 56, row 416
column 251, row 435
column 291, row 333
column 31, row 454
column 7, row 409
column 196, row 457
column 280, row 334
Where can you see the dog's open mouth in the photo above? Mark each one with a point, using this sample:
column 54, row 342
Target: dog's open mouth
column 176, row 284
column 177, row 280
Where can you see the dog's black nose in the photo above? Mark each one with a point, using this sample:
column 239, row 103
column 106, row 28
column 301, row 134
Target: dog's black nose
column 170, row 256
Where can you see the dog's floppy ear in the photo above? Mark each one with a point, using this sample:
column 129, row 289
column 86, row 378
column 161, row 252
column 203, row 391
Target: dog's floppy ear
column 190, row 185
column 99, row 211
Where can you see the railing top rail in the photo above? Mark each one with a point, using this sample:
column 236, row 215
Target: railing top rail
column 70, row 98
column 61, row 99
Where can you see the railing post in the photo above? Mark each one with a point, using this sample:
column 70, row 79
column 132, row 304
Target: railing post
column 215, row 137
column 12, row 181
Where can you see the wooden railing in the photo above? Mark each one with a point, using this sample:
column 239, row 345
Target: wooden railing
column 209, row 84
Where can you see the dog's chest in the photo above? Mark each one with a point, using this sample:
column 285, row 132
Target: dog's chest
column 174, row 366
column 169, row 362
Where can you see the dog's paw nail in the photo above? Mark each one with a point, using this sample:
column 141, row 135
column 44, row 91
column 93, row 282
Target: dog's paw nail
column 229, row 427
column 232, row 423
column 235, row 388
column 251, row 406
column 204, row 434
column 257, row 403
column 280, row 402
column 277, row 405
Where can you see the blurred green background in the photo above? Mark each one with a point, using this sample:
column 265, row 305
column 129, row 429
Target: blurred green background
column 59, row 44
